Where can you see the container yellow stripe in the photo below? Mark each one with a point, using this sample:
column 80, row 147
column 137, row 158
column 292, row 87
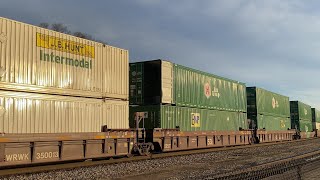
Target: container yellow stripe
column 59, row 44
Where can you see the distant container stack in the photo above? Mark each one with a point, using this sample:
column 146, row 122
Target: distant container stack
column 315, row 118
column 173, row 96
column 301, row 116
column 41, row 73
column 268, row 110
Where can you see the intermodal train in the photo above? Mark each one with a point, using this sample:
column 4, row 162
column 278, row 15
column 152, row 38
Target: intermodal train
column 65, row 98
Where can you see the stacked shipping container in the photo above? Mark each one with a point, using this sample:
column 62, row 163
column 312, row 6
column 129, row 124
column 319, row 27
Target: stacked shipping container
column 301, row 117
column 268, row 110
column 173, row 96
column 189, row 119
column 41, row 73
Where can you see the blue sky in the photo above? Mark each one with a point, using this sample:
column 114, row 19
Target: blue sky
column 270, row 44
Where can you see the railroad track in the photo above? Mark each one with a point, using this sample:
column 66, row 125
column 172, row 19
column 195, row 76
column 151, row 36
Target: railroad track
column 7, row 173
column 288, row 168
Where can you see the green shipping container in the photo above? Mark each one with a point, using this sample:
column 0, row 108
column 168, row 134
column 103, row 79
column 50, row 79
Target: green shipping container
column 151, row 82
column 188, row 119
column 162, row 82
column 273, row 123
column 301, row 116
column 203, row 90
column 305, row 126
column 268, row 110
column 261, row 101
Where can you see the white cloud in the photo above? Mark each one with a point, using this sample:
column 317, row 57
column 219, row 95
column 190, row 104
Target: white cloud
column 285, row 39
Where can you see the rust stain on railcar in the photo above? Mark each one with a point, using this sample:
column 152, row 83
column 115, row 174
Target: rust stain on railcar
column 100, row 137
column 122, row 136
column 64, row 138
column 4, row 140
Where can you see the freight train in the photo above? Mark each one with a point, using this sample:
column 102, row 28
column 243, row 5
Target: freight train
column 66, row 98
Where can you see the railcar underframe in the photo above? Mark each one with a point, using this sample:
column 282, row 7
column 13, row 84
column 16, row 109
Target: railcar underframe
column 22, row 149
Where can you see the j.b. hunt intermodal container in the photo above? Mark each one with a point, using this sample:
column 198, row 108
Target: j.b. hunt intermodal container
column 301, row 116
column 34, row 59
column 268, row 110
column 22, row 112
column 163, row 82
column 187, row 119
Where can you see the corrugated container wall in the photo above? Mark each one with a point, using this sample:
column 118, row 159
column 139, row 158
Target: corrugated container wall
column 301, row 116
column 267, row 103
column 194, row 88
column 35, row 59
column 188, row 119
column 273, row 123
column 40, row 113
column 162, row 82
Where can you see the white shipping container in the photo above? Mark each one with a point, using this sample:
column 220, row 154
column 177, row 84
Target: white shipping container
column 41, row 113
column 35, row 59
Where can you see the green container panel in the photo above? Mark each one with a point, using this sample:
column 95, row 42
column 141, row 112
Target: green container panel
column 305, row 126
column 189, row 119
column 305, row 111
column 315, row 115
column 273, row 123
column 154, row 82
column 194, row 88
column 300, row 110
column 264, row 102
column 209, row 120
column 152, row 118
column 242, row 97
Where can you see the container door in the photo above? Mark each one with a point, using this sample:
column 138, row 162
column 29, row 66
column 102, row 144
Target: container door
column 136, row 93
column 167, row 82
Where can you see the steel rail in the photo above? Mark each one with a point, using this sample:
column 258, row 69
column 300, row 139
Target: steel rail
column 276, row 169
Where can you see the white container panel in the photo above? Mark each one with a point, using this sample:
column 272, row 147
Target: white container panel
column 40, row 113
column 167, row 82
